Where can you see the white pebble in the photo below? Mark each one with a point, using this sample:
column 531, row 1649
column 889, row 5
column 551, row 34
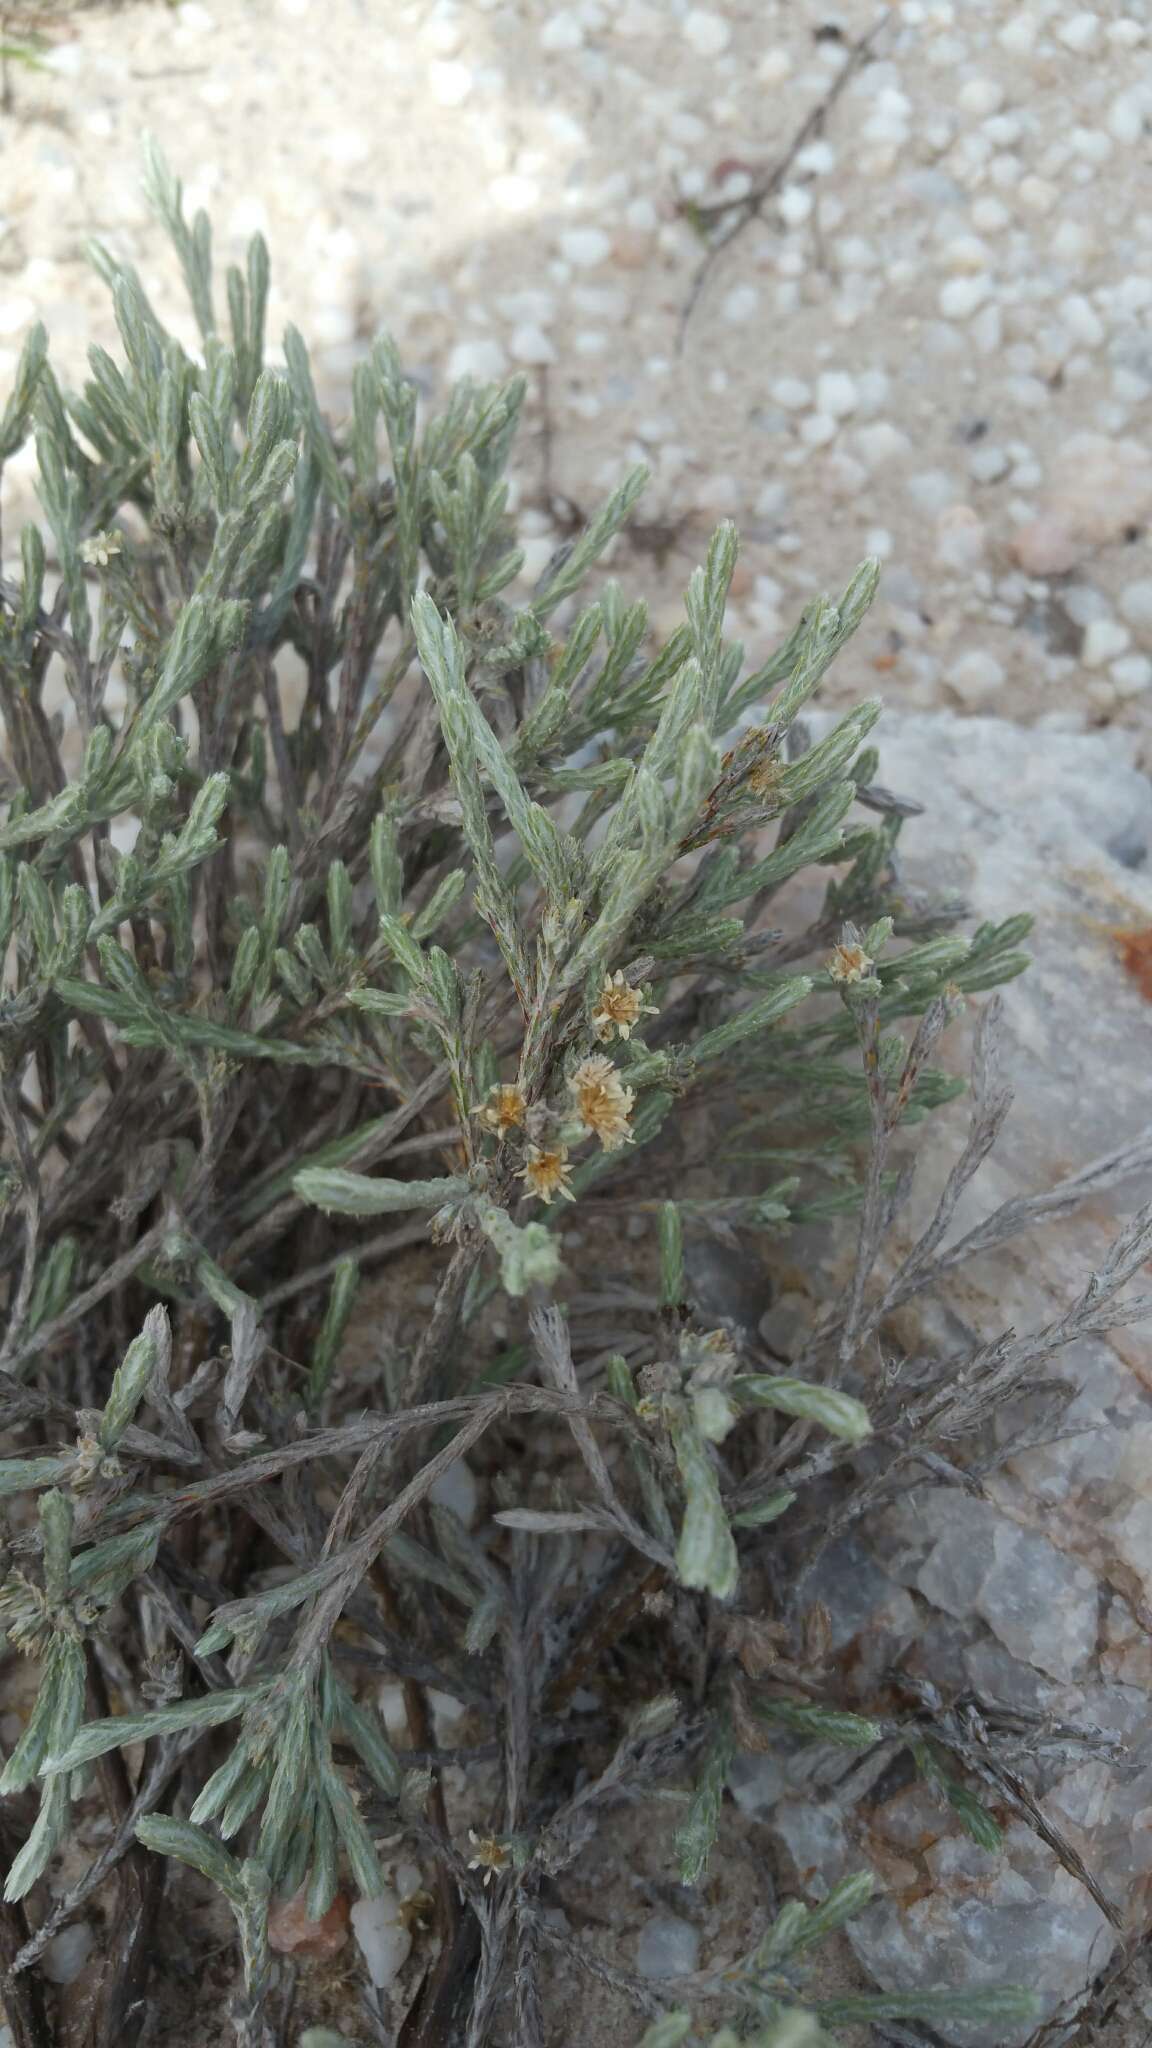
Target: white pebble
column 836, row 393
column 1038, row 194
column 384, row 1941
column 513, row 193
column 1082, row 320
column 1081, row 32
column 818, row 429
column 530, row 345
column 1104, row 639
column 740, row 304
column 933, row 490
column 449, row 83
column 708, row 34
column 981, row 96
column 457, row 1489
column 1126, row 118
column 1125, row 33
column 975, row 676
column 67, row 1953
column 792, row 393
column 1131, row 674
column 794, row 205
column 962, row 296
column 667, row 1947
column 960, row 539
column 1019, row 34
column 585, row 247
column 879, row 542
column 774, row 67
column 561, row 31
column 881, row 442
column 482, row 359
column 988, row 464
column 989, row 215
column 1135, row 603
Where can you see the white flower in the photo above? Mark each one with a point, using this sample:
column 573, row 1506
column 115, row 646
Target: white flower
column 99, row 549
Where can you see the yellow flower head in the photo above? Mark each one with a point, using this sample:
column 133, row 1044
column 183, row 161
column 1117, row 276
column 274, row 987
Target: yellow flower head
column 547, row 1172
column 618, row 1008
column 602, row 1101
column 848, row 963
column 491, row 1856
column 504, row 1110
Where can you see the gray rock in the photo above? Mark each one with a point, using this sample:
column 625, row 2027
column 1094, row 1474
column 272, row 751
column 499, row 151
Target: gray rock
column 667, row 1947
column 1038, row 1594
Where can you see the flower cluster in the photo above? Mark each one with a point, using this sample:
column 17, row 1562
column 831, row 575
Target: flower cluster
column 601, row 1102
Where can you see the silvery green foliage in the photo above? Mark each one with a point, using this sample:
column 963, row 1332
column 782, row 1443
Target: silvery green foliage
column 784, row 2010
column 357, row 907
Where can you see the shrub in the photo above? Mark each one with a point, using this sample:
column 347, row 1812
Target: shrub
column 351, row 890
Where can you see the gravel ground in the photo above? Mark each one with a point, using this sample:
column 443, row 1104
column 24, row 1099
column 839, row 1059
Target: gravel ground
column 932, row 341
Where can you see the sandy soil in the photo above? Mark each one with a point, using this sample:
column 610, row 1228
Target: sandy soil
column 932, row 341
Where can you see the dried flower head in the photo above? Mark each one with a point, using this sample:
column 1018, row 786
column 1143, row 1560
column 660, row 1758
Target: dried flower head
column 848, row 963
column 99, row 549
column 619, row 1008
column 547, row 1172
column 602, row 1101
column 25, row 1616
column 764, row 779
column 93, row 1462
column 491, row 1855
column 505, row 1109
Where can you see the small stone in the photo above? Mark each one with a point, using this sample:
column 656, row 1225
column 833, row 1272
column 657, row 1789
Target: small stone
column 794, row 205
column 706, row 33
column 989, row 215
column 293, row 1932
column 836, row 393
column 1104, row 639
column 514, row 194
column 667, row 1947
column 961, row 296
column 1019, row 34
column 67, row 1952
column 562, row 31
column 933, row 490
column 1127, row 118
column 774, row 67
column 981, row 96
column 792, row 393
column 529, row 344
column 584, row 248
column 740, row 304
column 449, row 82
column 960, row 538
column 1043, row 547
column 457, row 1488
column 384, row 1941
column 1081, row 32
column 632, row 248
column 483, row 359
column 1135, row 603
column 881, row 442
column 1040, row 195
column 818, row 429
column 975, row 677
column 986, row 465
column 1131, row 674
